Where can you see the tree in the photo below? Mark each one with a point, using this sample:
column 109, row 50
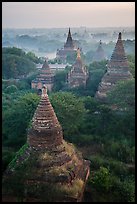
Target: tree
column 11, row 89
column 70, row 111
column 15, row 63
column 59, row 80
column 16, row 120
column 101, row 179
column 123, row 95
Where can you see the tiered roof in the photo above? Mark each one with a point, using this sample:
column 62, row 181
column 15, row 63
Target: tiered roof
column 69, row 49
column 100, row 53
column 78, row 74
column 69, row 43
column 45, row 77
column 51, row 164
column 117, row 69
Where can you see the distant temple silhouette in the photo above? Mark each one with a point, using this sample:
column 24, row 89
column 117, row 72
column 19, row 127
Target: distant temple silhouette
column 45, row 77
column 78, row 74
column 69, row 49
column 100, row 53
column 117, row 70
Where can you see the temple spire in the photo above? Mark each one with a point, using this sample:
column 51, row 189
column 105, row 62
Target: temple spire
column 69, row 42
column 50, row 162
column 78, row 54
column 117, row 70
column 69, row 33
column 45, row 65
column 120, row 36
column 99, row 53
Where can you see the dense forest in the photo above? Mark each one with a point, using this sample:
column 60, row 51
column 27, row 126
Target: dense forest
column 105, row 135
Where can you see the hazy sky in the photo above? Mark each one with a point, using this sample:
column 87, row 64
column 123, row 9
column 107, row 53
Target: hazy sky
column 67, row 14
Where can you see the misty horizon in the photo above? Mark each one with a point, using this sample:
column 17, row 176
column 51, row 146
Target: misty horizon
column 67, row 14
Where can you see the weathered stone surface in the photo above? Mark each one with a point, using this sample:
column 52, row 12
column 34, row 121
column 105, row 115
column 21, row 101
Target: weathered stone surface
column 117, row 70
column 45, row 77
column 47, row 165
column 78, row 74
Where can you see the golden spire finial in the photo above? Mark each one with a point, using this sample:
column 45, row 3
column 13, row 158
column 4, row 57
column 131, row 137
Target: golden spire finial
column 78, row 54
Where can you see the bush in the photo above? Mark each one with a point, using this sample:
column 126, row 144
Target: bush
column 11, row 89
column 101, row 180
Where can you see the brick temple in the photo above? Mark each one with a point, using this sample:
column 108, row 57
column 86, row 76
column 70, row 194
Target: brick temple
column 69, row 49
column 99, row 53
column 48, row 169
column 45, row 77
column 117, row 70
column 78, row 74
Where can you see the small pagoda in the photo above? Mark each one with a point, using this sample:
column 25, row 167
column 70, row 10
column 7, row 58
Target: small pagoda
column 45, row 77
column 69, row 49
column 78, row 74
column 117, row 70
column 47, row 168
column 100, row 53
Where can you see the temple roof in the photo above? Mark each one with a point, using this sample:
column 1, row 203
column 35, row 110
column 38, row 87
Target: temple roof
column 45, row 65
column 45, row 73
column 51, row 164
column 117, row 69
column 46, row 68
column 119, row 52
column 100, row 53
column 69, row 43
column 45, row 122
column 78, row 65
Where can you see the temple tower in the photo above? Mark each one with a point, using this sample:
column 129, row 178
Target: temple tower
column 117, row 69
column 68, row 50
column 78, row 74
column 100, row 53
column 69, row 43
column 48, row 168
column 45, row 77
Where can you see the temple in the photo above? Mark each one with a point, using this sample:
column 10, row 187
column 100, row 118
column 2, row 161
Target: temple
column 68, row 50
column 45, row 77
column 78, row 74
column 117, row 69
column 47, row 168
column 100, row 53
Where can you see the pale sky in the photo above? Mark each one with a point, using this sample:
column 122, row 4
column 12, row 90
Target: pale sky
column 67, row 14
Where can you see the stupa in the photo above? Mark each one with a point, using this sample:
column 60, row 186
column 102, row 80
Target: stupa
column 47, row 168
column 100, row 53
column 117, row 70
column 68, row 50
column 45, row 77
column 78, row 74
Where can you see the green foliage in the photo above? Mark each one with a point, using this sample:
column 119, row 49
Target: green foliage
column 11, row 89
column 59, row 80
column 15, row 63
column 123, row 95
column 13, row 163
column 70, row 111
column 131, row 61
column 96, row 72
column 7, row 156
column 101, row 180
column 123, row 191
column 32, row 57
column 16, row 119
